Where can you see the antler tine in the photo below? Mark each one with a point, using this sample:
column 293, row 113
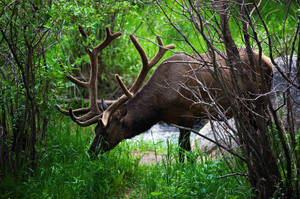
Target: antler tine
column 123, row 86
column 85, row 117
column 74, row 79
column 83, row 110
column 161, row 51
column 63, row 111
column 146, row 65
column 88, row 122
column 140, row 50
column 76, row 112
column 82, row 32
column 77, row 82
column 109, row 38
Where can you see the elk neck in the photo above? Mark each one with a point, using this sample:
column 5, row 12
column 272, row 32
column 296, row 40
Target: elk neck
column 142, row 113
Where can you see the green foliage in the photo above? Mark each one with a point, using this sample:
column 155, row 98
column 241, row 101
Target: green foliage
column 174, row 180
column 65, row 171
column 26, row 80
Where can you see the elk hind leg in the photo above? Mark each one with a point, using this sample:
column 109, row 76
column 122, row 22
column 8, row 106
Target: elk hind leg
column 184, row 144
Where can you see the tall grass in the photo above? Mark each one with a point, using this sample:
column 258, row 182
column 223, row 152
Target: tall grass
column 65, row 171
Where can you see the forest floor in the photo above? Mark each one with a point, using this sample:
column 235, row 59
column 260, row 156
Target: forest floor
column 148, row 157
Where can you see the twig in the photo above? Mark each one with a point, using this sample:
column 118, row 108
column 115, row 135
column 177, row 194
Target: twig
column 233, row 174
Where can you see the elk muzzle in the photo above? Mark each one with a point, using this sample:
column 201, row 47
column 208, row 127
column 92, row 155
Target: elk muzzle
column 99, row 144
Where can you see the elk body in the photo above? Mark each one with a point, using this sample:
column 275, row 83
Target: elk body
column 168, row 96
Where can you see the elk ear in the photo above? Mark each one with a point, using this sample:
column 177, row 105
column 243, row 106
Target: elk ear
column 121, row 112
column 104, row 106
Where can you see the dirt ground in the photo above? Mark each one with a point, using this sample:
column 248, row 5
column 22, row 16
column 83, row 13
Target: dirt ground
column 148, row 157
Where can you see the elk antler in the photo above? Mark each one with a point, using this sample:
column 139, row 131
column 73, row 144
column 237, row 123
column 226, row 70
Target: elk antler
column 92, row 113
column 128, row 93
column 146, row 64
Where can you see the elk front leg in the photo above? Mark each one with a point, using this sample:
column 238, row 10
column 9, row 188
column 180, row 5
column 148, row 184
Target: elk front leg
column 184, row 144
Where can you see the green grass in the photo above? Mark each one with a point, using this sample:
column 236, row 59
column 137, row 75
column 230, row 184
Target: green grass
column 65, row 171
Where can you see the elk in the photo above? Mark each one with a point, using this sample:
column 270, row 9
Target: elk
column 162, row 98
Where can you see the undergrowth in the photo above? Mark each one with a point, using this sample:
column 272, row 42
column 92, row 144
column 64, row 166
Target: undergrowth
column 65, row 171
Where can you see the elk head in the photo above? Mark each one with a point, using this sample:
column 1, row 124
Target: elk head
column 110, row 129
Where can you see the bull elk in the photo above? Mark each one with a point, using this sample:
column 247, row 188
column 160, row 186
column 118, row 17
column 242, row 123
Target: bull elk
column 162, row 98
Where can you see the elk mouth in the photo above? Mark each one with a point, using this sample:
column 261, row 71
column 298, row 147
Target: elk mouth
column 98, row 146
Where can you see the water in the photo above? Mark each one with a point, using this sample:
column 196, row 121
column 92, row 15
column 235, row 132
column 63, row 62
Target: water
column 161, row 132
